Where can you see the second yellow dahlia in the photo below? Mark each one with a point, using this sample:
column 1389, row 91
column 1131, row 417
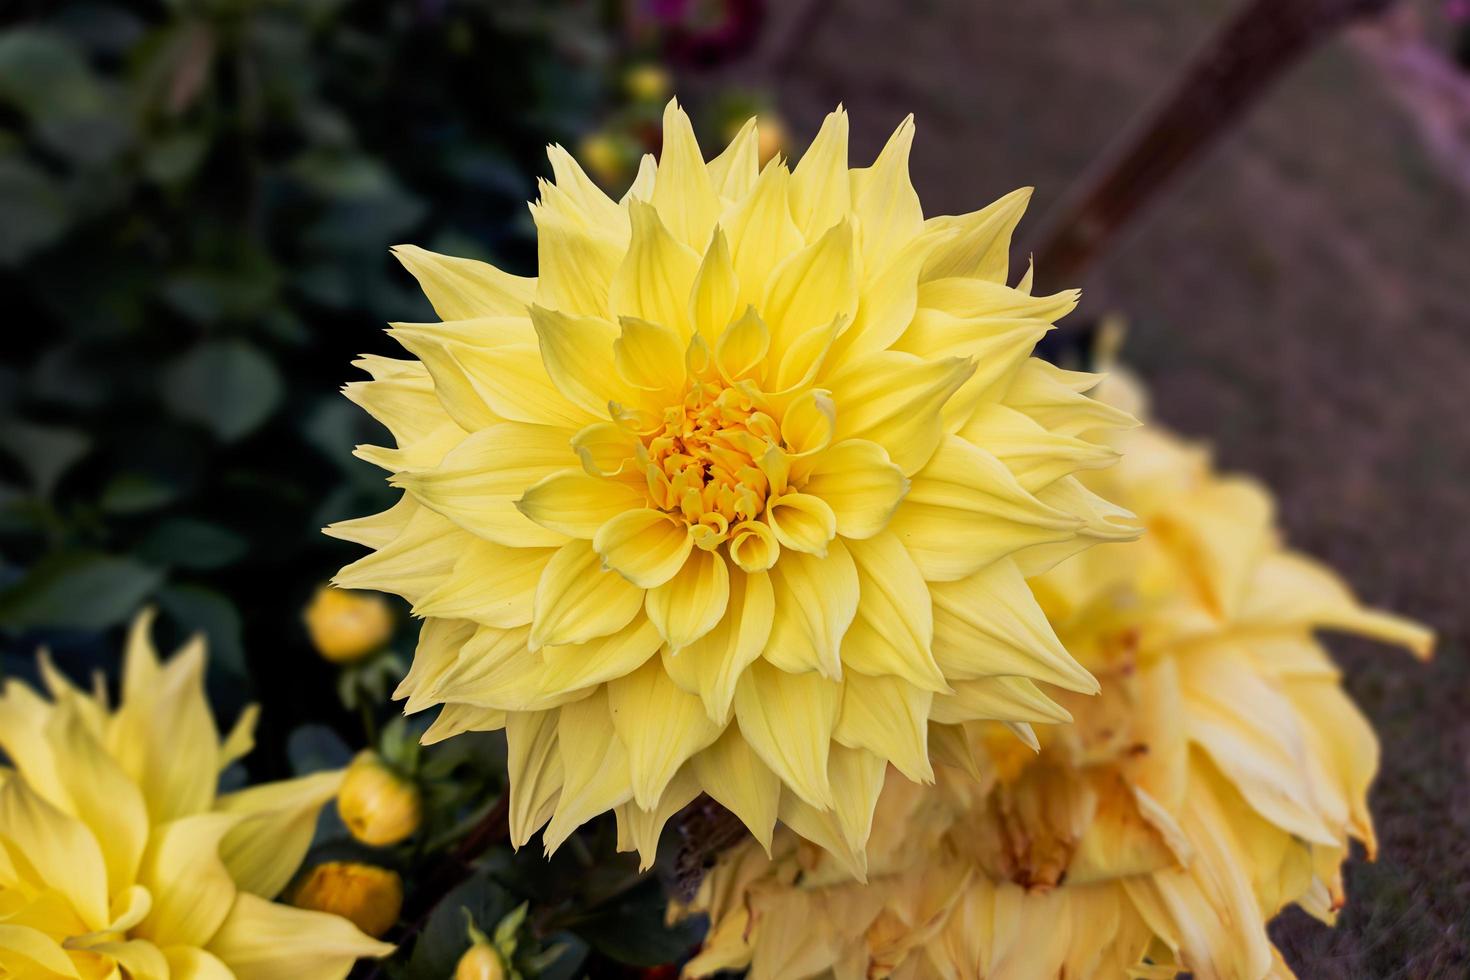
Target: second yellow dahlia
column 737, row 495
column 1220, row 776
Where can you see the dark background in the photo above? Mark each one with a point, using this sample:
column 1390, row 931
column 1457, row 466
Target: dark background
column 196, row 201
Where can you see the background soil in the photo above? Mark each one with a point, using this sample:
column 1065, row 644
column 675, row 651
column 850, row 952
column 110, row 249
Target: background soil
column 1298, row 298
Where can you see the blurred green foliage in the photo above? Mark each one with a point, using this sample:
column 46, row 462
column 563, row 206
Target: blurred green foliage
column 197, row 198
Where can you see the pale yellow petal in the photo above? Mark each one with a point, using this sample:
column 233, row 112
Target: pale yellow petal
column 982, row 247
column 61, row 851
column 820, row 196
column 462, row 288
column 267, row 846
column 594, row 763
column 534, row 771
column 647, row 547
column 578, row 600
column 730, row 771
column 893, row 632
column 894, row 399
column 715, row 291
column 262, row 940
column 860, row 483
column 712, row 665
column 639, row 830
column 656, row 278
column 885, row 202
column 649, row 356
column 660, row 725
column 1013, row 699
column 788, row 721
column 572, row 668
column 761, row 233
column 575, row 504
column 801, row 522
column 733, row 173
column 191, row 887
column 490, row 584
column 576, row 351
column 812, row 287
column 683, row 192
column 816, row 599
column 889, row 717
column 693, row 602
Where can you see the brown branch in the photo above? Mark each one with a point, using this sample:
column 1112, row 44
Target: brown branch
column 1239, row 64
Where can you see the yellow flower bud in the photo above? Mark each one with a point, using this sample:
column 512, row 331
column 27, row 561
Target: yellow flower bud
column 346, row 626
column 480, row 962
column 378, row 806
column 368, row 897
column 647, row 83
column 771, row 137
column 606, row 158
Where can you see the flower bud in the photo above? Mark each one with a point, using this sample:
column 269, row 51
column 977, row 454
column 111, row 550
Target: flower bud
column 379, row 807
column 368, row 897
column 647, row 83
column 480, row 962
column 347, row 626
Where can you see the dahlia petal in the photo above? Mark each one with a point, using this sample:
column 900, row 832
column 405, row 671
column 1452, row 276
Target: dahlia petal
column 886, row 303
column 191, row 887
column 660, row 725
column 820, row 196
column 816, row 600
column 999, row 349
column 1054, row 398
column 788, row 721
column 606, row 449
column 735, row 777
column 857, row 779
column 597, row 210
column 580, row 666
column 981, row 248
column 693, row 602
column 711, row 665
column 964, row 510
column 761, row 233
column 970, row 299
column 989, row 624
column 189, row 963
column 641, row 188
column 683, row 192
column 455, row 392
column 893, row 632
column 415, row 560
column 807, row 425
column 859, row 482
column 262, row 940
column 885, row 202
column 639, row 829
column 267, row 846
column 1034, row 456
column 24, row 951
column 801, row 522
column 101, row 794
column 576, row 266
column 650, row 356
column 647, row 547
column 62, row 852
column 803, row 359
column 812, row 287
column 533, row 770
column 575, row 504
column 1293, row 591
column 741, row 348
column 824, row 828
column 165, row 738
column 888, row 716
column 594, row 765
column 575, row 350
column 1013, row 699
column 753, row 546
column 514, row 381
column 1343, row 741
column 578, row 600
column 462, row 288
column 656, row 277
column 456, row 719
column 490, row 584
column 894, row 399
column 733, row 173
column 375, row 530
column 712, row 299
column 478, row 482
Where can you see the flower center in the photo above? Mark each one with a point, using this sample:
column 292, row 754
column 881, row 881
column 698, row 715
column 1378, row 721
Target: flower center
column 713, row 460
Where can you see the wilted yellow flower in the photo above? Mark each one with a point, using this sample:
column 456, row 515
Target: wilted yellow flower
column 346, row 626
column 379, row 807
column 735, row 496
column 1218, row 778
column 116, row 853
column 369, row 897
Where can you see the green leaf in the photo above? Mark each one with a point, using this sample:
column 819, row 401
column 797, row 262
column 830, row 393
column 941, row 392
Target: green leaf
column 137, row 493
column 44, row 75
column 78, row 590
column 228, row 386
column 314, row 748
column 33, row 211
column 630, row 928
column 175, row 157
column 200, row 610
column 444, row 938
column 188, row 543
column 45, row 451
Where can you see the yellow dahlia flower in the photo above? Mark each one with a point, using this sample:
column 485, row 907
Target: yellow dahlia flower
column 737, row 494
column 118, row 854
column 1218, row 778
